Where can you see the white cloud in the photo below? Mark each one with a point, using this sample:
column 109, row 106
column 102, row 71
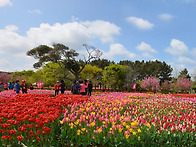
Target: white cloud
column 5, row 2
column 102, row 29
column 140, row 23
column 165, row 17
column 181, row 55
column 177, row 47
column 183, row 59
column 145, row 47
column 147, row 55
column 16, row 63
column 4, row 63
column 118, row 50
column 11, row 42
column 11, row 28
column 73, row 35
column 193, row 52
column 37, row 11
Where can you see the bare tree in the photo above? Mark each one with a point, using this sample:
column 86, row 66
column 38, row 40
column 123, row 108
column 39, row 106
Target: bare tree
column 65, row 57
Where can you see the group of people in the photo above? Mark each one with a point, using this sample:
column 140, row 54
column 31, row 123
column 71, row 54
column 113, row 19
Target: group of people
column 5, row 86
column 23, row 86
column 16, row 87
column 82, row 87
column 59, row 87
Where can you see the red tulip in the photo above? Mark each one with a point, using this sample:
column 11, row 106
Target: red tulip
column 20, row 138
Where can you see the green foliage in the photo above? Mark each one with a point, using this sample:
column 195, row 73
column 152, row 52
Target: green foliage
column 101, row 63
column 91, row 73
column 70, row 68
column 65, row 57
column 53, row 54
column 184, row 73
column 29, row 76
column 194, row 82
column 129, row 78
column 52, row 72
column 139, row 70
column 157, row 69
column 128, row 63
column 38, row 76
column 114, row 75
column 143, row 69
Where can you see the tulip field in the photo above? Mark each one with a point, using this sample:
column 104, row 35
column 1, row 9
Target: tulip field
column 105, row 119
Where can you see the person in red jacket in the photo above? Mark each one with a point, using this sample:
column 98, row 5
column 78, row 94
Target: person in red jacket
column 24, row 86
column 5, row 86
column 57, row 88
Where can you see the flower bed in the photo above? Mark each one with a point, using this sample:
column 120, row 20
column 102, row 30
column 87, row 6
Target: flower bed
column 185, row 95
column 12, row 93
column 104, row 119
column 120, row 121
column 32, row 118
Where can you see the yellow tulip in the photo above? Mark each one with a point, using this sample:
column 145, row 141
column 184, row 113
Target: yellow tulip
column 120, row 130
column 99, row 130
column 78, row 132
column 139, row 131
column 127, row 136
column 148, row 125
column 131, row 130
column 134, row 123
column 92, row 124
column 83, row 129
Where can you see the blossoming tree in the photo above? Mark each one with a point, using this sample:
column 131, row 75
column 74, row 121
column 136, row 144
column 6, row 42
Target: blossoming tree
column 184, row 83
column 151, row 83
column 5, row 78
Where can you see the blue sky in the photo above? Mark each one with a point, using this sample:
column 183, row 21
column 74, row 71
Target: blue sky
column 163, row 30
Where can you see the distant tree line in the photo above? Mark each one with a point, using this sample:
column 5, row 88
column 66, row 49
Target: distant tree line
column 59, row 62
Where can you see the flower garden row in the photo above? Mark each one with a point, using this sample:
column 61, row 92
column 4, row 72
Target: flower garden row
column 28, row 119
column 106, row 119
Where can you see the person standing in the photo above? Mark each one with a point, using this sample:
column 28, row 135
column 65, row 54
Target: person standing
column 57, row 88
column 31, row 87
column 62, row 86
column 75, row 87
column 17, row 87
column 1, row 87
column 10, row 86
column 86, row 89
column 90, row 87
column 24, row 86
column 5, row 86
column 83, row 88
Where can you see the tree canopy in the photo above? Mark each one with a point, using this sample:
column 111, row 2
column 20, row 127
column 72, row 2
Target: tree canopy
column 114, row 75
column 184, row 73
column 64, row 56
column 60, row 62
column 143, row 69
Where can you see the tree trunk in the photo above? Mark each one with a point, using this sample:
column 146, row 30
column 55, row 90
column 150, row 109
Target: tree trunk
column 77, row 76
